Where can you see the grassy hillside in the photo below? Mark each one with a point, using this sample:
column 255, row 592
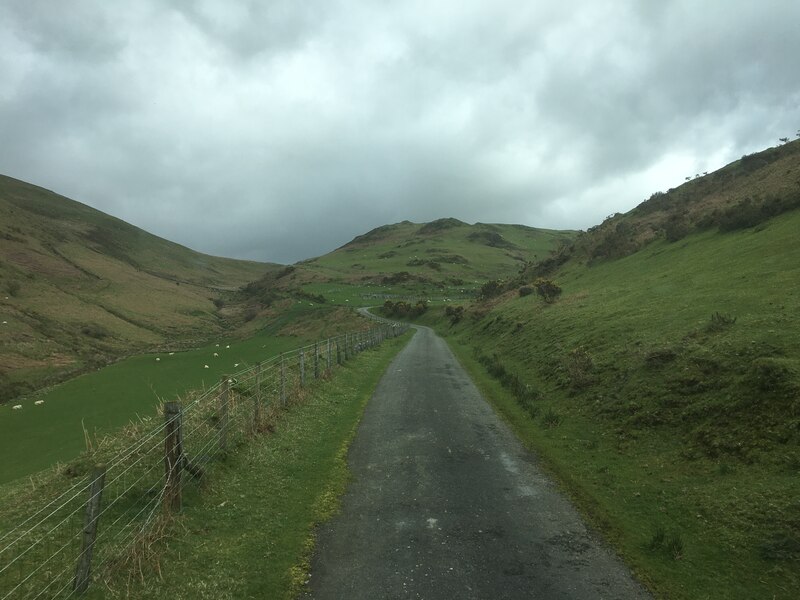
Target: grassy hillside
column 663, row 388
column 99, row 402
column 443, row 258
column 79, row 288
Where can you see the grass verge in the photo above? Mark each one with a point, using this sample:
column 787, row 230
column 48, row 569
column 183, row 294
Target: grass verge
column 249, row 534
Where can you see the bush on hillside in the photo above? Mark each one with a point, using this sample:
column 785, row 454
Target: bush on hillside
column 399, row 277
column 676, row 228
column 751, row 212
column 404, row 310
column 491, row 289
column 547, row 289
column 455, row 313
column 525, row 290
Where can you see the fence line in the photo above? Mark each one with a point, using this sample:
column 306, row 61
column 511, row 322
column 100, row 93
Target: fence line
column 70, row 537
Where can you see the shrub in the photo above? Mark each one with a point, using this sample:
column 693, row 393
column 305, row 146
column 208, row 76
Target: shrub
column 547, row 289
column 676, row 228
column 491, row 289
column 525, row 290
column 13, row 288
column 403, row 310
column 218, row 303
column 455, row 313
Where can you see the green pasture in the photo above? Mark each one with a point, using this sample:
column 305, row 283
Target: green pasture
column 250, row 533
column 37, row 436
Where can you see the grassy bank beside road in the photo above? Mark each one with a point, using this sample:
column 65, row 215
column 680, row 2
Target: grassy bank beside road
column 250, row 534
column 663, row 391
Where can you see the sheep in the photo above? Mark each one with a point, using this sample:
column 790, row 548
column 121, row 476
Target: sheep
column 235, row 365
column 227, row 347
column 16, row 407
column 38, row 402
column 171, row 353
column 205, row 366
column 215, row 354
column 157, row 359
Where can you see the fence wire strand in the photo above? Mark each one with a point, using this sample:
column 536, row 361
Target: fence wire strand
column 39, row 554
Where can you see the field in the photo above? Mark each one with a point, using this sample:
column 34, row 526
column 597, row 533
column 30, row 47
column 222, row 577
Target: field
column 251, row 533
column 663, row 390
column 80, row 289
column 38, row 436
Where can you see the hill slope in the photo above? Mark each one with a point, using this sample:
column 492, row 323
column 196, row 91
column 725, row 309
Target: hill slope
column 663, row 384
column 446, row 257
column 79, row 287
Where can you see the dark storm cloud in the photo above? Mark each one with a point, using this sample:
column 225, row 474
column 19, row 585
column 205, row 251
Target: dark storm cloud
column 280, row 130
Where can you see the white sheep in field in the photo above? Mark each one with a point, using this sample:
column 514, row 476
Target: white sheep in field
column 171, row 353
column 235, row 365
column 17, row 407
column 38, row 402
column 227, row 347
column 215, row 354
column 157, row 359
column 205, row 366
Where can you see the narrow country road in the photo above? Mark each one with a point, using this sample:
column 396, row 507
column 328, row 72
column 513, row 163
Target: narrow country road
column 445, row 503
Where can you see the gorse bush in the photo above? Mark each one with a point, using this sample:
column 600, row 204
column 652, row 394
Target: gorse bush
column 454, row 313
column 547, row 289
column 403, row 310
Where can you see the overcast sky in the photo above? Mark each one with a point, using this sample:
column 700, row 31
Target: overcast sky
column 278, row 130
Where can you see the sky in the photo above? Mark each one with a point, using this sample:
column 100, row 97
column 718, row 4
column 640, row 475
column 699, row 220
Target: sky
column 280, row 130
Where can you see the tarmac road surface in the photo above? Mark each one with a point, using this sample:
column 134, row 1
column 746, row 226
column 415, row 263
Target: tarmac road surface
column 445, row 503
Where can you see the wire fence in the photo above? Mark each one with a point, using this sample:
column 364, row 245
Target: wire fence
column 57, row 539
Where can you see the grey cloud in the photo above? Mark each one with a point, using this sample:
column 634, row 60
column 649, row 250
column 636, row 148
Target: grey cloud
column 278, row 131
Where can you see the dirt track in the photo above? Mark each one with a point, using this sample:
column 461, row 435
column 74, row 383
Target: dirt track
column 446, row 503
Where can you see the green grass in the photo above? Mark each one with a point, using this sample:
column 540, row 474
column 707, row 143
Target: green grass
column 679, row 437
column 79, row 289
column 39, row 436
column 250, row 534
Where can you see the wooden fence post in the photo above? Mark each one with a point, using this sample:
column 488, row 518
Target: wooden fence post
column 338, row 354
column 257, row 400
column 90, row 521
column 173, row 456
column 316, row 360
column 302, row 368
column 223, row 414
column 329, row 354
column 283, row 381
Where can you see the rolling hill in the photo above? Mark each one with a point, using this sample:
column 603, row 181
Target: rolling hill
column 443, row 258
column 663, row 383
column 79, row 288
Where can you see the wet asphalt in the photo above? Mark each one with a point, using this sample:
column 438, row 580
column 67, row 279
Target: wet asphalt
column 445, row 503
